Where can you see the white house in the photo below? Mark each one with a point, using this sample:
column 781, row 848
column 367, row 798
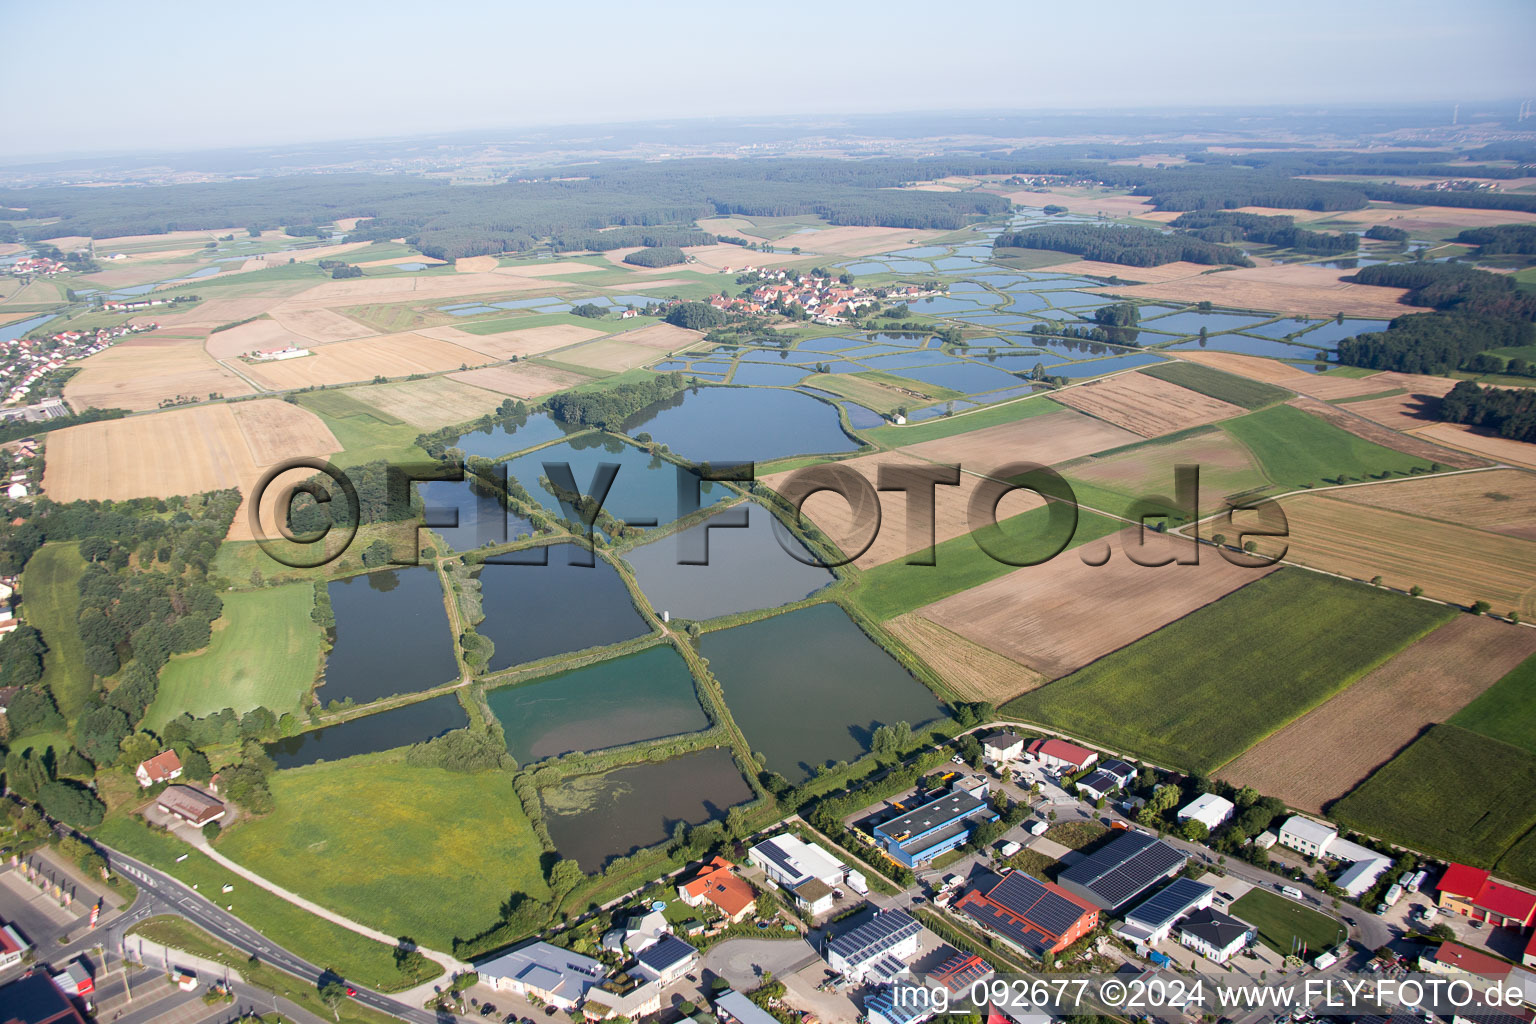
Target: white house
column 12, row 947
column 1214, row 935
column 667, row 960
column 1208, row 809
column 787, row 861
column 557, row 976
column 642, row 931
column 1002, row 746
column 1307, row 836
column 1105, row 779
column 163, row 767
column 860, row 952
column 16, row 491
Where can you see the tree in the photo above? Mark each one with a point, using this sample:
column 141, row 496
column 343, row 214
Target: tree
column 1375, row 581
column 1194, row 831
column 100, row 731
column 71, row 803
column 332, row 992
column 33, row 710
column 1415, row 590
column 140, row 746
column 590, row 310
column 1480, row 607
column 696, row 316
column 21, row 657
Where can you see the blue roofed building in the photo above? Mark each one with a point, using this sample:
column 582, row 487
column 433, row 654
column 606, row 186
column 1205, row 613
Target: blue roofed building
column 935, row 827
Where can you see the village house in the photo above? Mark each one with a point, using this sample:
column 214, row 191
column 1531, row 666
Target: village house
column 163, row 767
column 544, row 971
column 1060, row 754
column 717, row 884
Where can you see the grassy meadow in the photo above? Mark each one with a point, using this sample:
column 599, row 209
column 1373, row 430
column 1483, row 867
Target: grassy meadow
column 1217, row 384
column 1299, row 450
column 949, row 426
column 1506, row 711
column 49, row 589
column 1284, row 925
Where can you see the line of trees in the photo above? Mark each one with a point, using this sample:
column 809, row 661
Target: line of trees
column 624, row 238
column 1227, row 226
column 611, row 406
column 1383, row 233
column 1448, row 286
column 1131, row 246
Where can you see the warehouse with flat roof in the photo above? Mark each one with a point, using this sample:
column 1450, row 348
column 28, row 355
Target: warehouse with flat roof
column 1122, row 871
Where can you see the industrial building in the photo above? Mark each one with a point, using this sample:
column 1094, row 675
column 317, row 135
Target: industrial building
column 1152, row 920
column 1036, row 916
column 876, row 950
column 1208, row 809
column 933, row 828
column 802, row 869
column 1123, row 871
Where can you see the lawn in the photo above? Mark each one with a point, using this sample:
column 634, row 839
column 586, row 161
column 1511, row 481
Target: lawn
column 1298, row 450
column 1285, row 925
column 410, row 850
column 1506, row 710
column 1075, row 835
column 366, row 434
column 264, row 653
column 1217, row 384
column 1452, row 794
column 49, row 588
column 296, row 930
column 1203, row 689
column 959, row 564
column 949, row 426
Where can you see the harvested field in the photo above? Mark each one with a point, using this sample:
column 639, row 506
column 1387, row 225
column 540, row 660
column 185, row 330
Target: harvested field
column 258, row 334
column 320, row 325
column 266, row 261
column 216, row 312
column 528, row 342
column 1327, row 386
column 392, row 355
column 275, row 430
column 709, row 258
column 852, row 241
column 1398, row 412
column 1333, row 748
column 1146, row 275
column 610, row 354
column 1052, row 439
column 1146, row 405
column 1451, row 562
column 358, row 291
column 1344, row 417
column 396, row 261
column 1114, row 205
column 1284, row 288
column 662, row 337
column 1059, row 616
column 523, row 380
column 431, row 403
column 1115, row 482
column 1427, row 219
column 972, row 671
column 1501, row 500
column 475, row 264
column 141, row 372
column 547, row 269
column 1481, row 442
column 1270, row 371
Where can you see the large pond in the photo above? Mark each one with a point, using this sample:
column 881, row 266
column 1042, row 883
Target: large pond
column 538, row 611
column 1095, row 367
column 10, row 332
column 966, row 378
column 808, row 687
column 594, row 818
column 514, row 435
column 645, row 487
column 397, row 727
column 1252, row 346
column 482, row 519
column 392, row 636
column 747, row 568
column 768, row 374
column 624, row 700
column 742, row 424
column 1332, row 332
column 1190, row 323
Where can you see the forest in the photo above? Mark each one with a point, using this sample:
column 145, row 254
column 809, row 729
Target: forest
column 1383, row 233
column 1501, row 240
column 1447, row 286
column 1130, row 246
column 1509, row 411
column 1434, row 343
column 625, row 238
column 1228, row 226
column 657, row 256
column 611, row 406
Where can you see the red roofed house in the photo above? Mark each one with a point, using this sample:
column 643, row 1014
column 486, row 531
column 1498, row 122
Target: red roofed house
column 718, row 883
column 1061, row 754
column 1456, row 960
column 163, row 767
column 1038, row 917
column 1472, row 892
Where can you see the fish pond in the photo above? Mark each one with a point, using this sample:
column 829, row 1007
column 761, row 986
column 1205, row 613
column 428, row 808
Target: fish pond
column 392, row 636
column 645, row 486
column 397, row 727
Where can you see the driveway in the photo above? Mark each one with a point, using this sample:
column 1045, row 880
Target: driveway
column 743, row 961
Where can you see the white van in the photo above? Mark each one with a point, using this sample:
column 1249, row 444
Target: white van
column 1289, row 890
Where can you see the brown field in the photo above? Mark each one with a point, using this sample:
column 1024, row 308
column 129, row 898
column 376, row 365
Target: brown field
column 1331, row 749
column 1481, row 442
column 1344, row 418
column 851, row 241
column 1051, row 438
column 1286, row 288
column 521, row 380
column 1057, row 617
column 972, row 671
column 358, row 291
column 548, row 269
column 1423, row 218
column 1149, row 275
column 711, row 258
column 139, row 373
column 1451, row 562
column 319, row 325
column 1399, row 412
column 1501, row 500
column 528, row 342
column 848, row 527
column 1114, row 205
column 169, row 240
column 217, row 312
column 258, row 334
column 613, row 354
column 1269, row 371
column 266, row 261
column 475, row 264
column 662, row 338
column 1327, row 386
column 431, row 403
column 722, row 226
column 1145, row 405
column 1227, row 468
column 390, row 355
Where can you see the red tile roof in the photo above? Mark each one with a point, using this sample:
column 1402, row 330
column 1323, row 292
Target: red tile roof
column 1478, row 888
column 1063, row 750
column 160, row 767
column 718, row 882
column 1471, row 961
column 1463, row 880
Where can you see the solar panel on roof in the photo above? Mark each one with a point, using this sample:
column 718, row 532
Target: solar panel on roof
column 1017, row 892
column 1169, row 902
column 884, row 931
column 1055, row 913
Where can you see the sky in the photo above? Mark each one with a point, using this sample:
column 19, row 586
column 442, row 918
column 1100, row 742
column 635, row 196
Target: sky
column 171, row 75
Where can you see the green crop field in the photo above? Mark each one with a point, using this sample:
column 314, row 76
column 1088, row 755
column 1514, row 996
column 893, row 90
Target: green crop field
column 49, row 588
column 1217, row 384
column 410, row 850
column 1519, row 861
column 1203, row 689
column 949, row 426
column 1297, row 450
column 1285, row 925
column 1506, row 710
column 366, row 434
column 264, row 652
column 1452, row 794
column 895, row 588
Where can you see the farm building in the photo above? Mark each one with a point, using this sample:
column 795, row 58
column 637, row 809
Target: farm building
column 717, row 883
column 557, row 976
column 1122, row 871
column 163, row 767
column 1061, row 754
column 1304, row 835
column 190, row 805
column 1475, row 967
column 1036, row 916
column 904, row 1004
column 1002, row 746
column 1361, row 875
column 1152, row 920
column 735, row 1008
column 803, row 869
column 1214, row 935
column 1472, row 892
column 934, row 828
column 1104, row 780
column 877, row 949
column 666, row 960
column 1208, row 809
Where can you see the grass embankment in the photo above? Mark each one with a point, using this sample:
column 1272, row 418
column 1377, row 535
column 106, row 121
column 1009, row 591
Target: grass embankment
column 264, row 653
column 50, row 596
column 1218, row 384
column 1452, row 794
column 1285, row 925
column 300, row 932
column 959, row 564
column 1506, row 711
column 949, row 426
column 1299, row 450
column 189, row 938
column 1200, row 691
column 409, row 850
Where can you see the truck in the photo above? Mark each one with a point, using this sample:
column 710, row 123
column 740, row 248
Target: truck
column 857, row 883
column 1418, row 879
column 1010, row 848
column 1324, row 961
column 1039, row 827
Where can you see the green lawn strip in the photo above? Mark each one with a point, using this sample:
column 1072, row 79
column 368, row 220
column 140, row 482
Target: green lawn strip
column 1506, row 711
column 1352, row 372
column 1349, row 399
column 1453, row 794
column 177, row 933
column 319, row 941
column 525, row 321
column 959, row 563
column 1285, row 925
column 410, row 850
column 949, row 426
column 51, row 595
column 366, row 434
column 1203, row 689
column 933, row 391
column 1299, row 450
column 1218, row 384
column 264, row 653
